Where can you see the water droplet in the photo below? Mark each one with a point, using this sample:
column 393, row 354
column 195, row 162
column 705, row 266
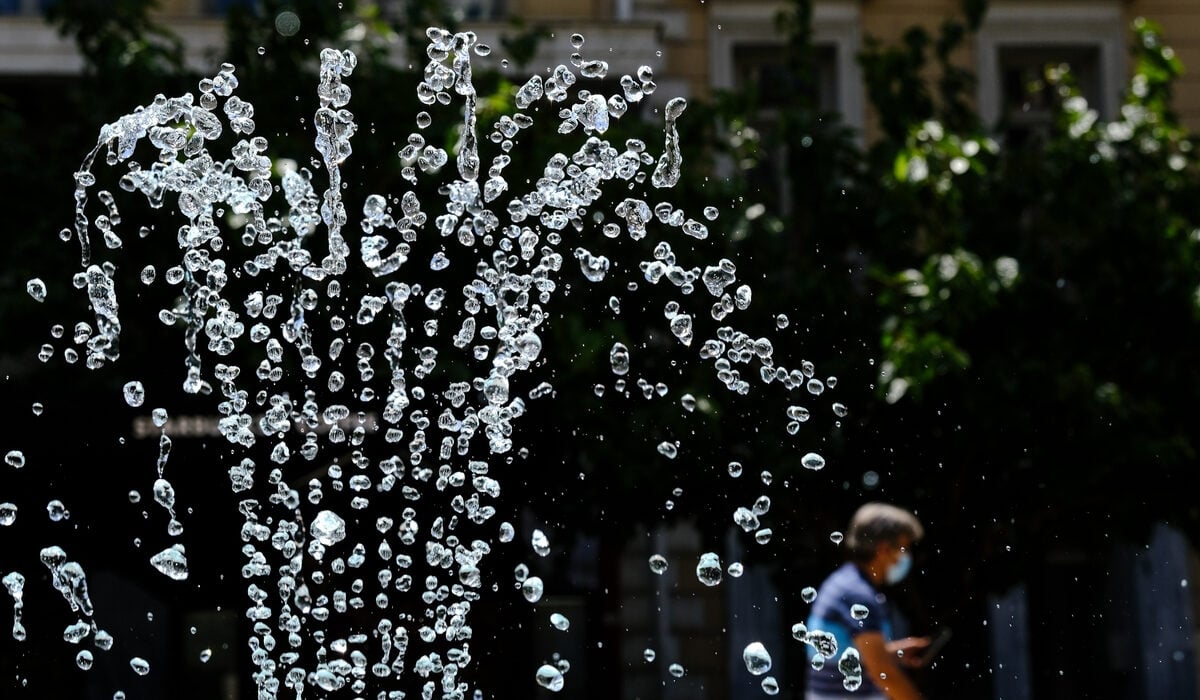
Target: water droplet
column 135, row 393
column 171, row 562
column 658, row 563
column 57, row 511
column 15, row 459
column 8, row 514
column 757, row 659
column 423, row 120
column 540, row 543
column 84, row 659
column 262, row 51
column 648, row 654
column 577, row 41
column 836, row 537
column 328, row 528
column 799, row 414
column 532, row 589
column 770, row 686
column 139, row 665
column 813, row 461
column 205, row 656
column 859, row 611
column 618, row 357
column 676, row 670
column 745, row 518
column 708, row 570
column 850, row 667
column 808, row 594
column 36, row 289
column 735, row 569
column 560, row 621
column 550, row 678
column 668, row 449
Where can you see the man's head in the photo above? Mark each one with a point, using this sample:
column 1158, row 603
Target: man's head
column 881, row 534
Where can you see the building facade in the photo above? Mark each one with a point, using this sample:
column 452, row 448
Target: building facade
column 697, row 47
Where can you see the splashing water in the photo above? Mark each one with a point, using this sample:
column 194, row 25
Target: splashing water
column 404, row 425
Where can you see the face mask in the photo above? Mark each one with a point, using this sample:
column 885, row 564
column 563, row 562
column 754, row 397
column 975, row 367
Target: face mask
column 896, row 572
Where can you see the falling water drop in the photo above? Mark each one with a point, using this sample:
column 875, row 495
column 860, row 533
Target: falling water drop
column 756, row 658
column 328, row 528
column 171, row 562
column 36, row 289
column 708, row 570
column 135, row 393
column 813, row 461
column 532, row 589
column 550, row 678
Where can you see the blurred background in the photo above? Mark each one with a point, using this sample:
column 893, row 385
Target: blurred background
column 979, row 220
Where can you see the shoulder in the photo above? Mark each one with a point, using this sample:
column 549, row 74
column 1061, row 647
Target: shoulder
column 848, row 580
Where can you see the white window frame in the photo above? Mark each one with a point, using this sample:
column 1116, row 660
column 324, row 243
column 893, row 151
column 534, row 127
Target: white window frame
column 836, row 23
column 1032, row 24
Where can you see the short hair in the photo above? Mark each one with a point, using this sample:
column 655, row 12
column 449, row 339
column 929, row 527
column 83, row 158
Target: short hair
column 876, row 523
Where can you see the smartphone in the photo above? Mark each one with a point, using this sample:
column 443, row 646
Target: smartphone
column 935, row 647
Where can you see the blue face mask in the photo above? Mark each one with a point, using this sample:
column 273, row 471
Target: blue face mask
column 896, row 572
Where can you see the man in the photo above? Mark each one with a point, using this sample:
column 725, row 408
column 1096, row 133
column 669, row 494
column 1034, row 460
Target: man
column 851, row 606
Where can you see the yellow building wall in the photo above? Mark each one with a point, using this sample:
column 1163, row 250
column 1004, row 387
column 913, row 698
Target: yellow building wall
column 888, row 20
column 686, row 58
column 1180, row 21
column 556, row 9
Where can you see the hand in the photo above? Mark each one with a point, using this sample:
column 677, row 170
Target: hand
column 908, row 650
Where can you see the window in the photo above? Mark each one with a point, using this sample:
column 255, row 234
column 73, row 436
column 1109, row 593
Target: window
column 1028, row 100
column 222, row 7
column 745, row 48
column 747, row 51
column 1017, row 40
column 24, row 7
column 760, row 67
